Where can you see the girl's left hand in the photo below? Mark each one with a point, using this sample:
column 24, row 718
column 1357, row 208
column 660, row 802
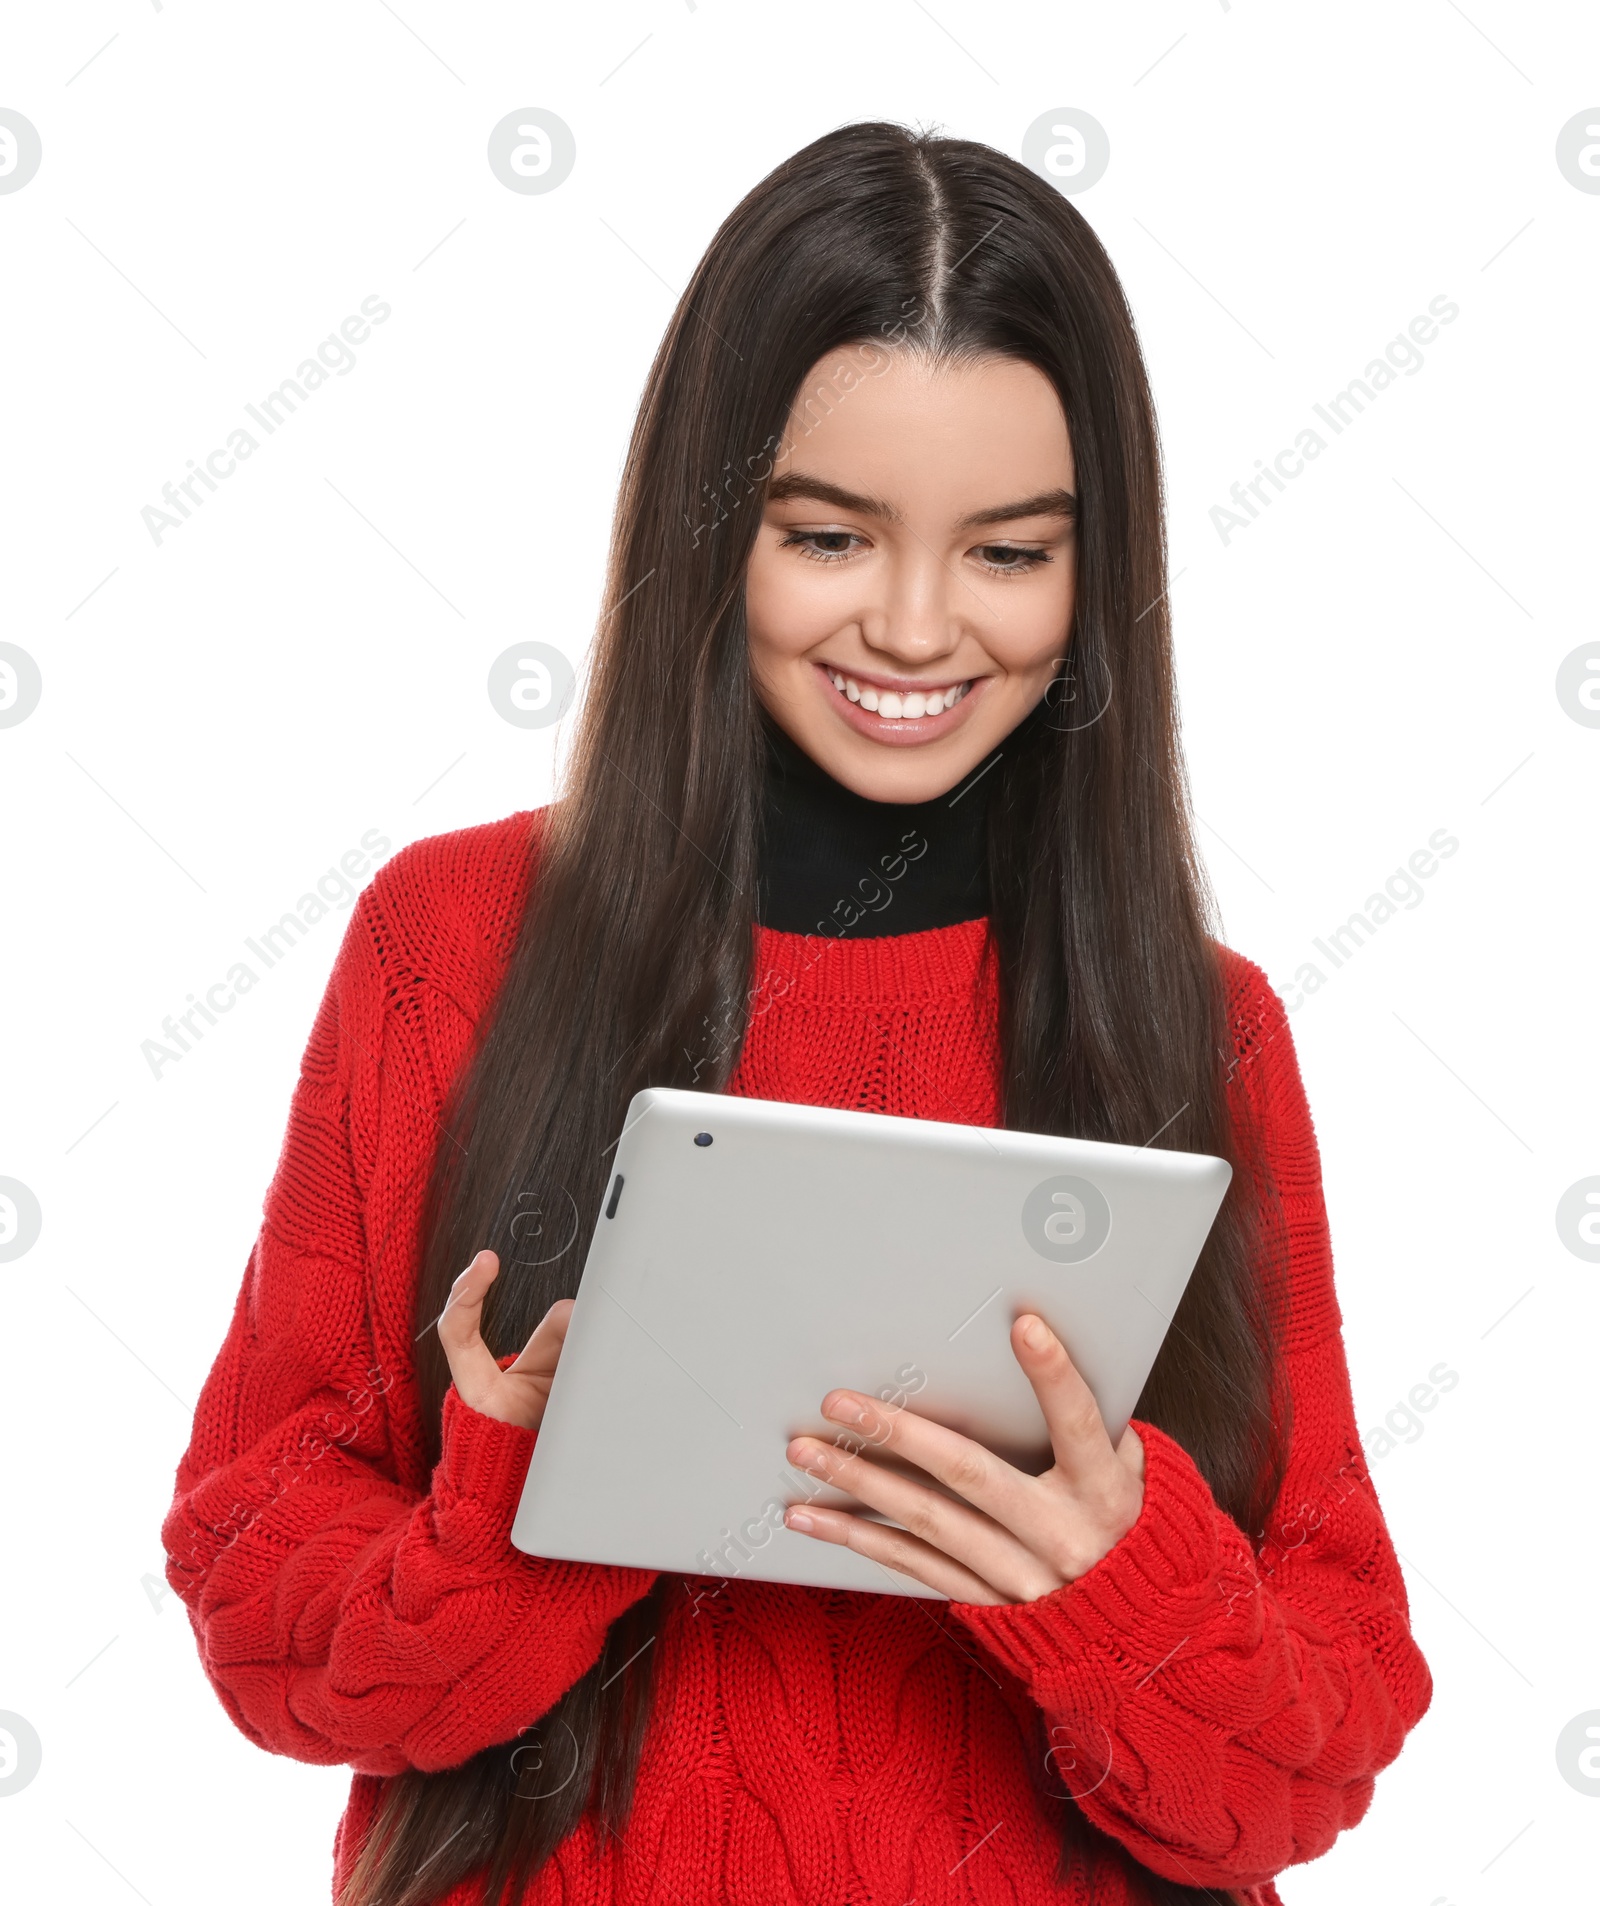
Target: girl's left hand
column 1022, row 1536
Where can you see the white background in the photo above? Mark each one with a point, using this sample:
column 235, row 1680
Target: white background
column 226, row 713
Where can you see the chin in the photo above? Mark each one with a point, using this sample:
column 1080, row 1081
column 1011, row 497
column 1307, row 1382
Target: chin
column 906, row 776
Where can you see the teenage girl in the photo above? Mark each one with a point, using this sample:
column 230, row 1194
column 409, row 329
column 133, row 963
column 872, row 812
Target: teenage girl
column 876, row 801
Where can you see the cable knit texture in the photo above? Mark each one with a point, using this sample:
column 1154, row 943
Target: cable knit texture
column 1219, row 1709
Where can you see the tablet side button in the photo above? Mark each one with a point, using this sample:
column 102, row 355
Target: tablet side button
column 616, row 1193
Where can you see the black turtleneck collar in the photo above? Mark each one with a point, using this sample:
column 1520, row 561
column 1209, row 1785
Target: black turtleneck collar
column 835, row 863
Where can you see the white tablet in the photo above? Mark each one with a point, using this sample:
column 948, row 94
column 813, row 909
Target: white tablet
column 751, row 1256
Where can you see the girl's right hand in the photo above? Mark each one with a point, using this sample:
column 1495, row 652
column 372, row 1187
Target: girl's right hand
column 520, row 1393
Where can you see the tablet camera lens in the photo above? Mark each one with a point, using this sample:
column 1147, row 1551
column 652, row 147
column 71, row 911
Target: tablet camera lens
column 702, row 1138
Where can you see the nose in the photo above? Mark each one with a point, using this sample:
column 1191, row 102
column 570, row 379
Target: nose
column 920, row 610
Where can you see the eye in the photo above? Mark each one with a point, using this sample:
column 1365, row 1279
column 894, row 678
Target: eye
column 1009, row 559
column 821, row 545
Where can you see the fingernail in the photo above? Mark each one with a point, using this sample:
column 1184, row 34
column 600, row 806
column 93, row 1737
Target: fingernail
column 1035, row 1334
column 844, row 1409
column 798, row 1519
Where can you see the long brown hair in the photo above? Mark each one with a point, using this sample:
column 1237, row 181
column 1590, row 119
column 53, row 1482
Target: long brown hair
column 633, row 962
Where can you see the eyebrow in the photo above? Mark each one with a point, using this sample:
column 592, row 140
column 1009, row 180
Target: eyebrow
column 795, row 484
column 1046, row 503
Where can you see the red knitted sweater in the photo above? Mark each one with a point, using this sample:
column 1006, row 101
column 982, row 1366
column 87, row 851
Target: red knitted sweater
column 806, row 1748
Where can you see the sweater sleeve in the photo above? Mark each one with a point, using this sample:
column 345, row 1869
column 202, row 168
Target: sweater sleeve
column 1218, row 1709
column 341, row 1615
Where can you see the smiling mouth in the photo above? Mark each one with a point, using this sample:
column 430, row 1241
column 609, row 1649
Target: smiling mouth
column 897, row 704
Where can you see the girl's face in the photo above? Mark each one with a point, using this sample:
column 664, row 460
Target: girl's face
column 910, row 593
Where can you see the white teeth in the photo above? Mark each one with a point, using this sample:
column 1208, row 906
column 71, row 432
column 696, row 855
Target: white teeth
column 891, row 704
